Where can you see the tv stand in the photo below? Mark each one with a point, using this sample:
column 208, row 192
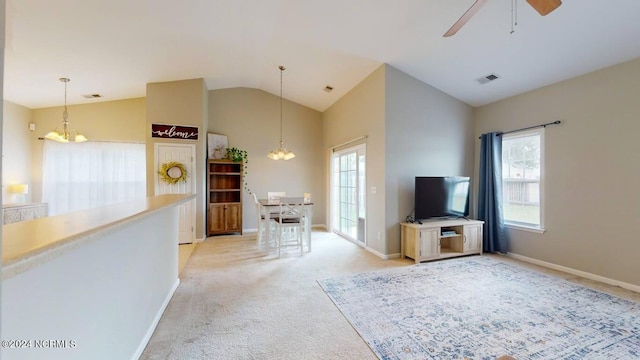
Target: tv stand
column 440, row 239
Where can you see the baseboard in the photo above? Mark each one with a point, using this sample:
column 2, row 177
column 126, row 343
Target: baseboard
column 313, row 227
column 580, row 273
column 199, row 240
column 381, row 255
column 156, row 320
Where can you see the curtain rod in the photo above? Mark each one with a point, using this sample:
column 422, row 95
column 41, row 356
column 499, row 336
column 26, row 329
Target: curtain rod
column 528, row 128
column 349, row 142
column 108, row 141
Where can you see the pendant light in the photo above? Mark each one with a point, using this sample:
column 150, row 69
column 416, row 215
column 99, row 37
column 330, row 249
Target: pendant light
column 281, row 153
column 65, row 135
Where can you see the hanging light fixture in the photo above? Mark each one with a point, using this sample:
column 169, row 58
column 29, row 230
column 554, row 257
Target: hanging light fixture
column 65, row 135
column 281, row 153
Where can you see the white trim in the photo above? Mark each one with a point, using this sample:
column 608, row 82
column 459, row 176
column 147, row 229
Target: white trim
column 251, row 231
column 572, row 271
column 381, row 255
column 156, row 320
column 541, row 181
column 525, row 228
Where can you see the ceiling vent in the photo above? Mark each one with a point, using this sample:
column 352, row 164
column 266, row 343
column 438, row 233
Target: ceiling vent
column 328, row 88
column 92, row 96
column 487, row 78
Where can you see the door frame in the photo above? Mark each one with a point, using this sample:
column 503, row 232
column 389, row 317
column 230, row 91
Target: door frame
column 192, row 179
column 361, row 189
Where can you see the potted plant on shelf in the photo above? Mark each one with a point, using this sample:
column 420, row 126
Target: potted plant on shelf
column 238, row 155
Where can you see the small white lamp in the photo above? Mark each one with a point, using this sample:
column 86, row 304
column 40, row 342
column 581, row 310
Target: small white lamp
column 19, row 190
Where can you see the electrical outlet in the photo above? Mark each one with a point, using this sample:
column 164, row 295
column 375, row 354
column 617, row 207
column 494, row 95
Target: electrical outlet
column 379, row 235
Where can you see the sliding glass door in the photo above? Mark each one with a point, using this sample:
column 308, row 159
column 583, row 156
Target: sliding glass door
column 348, row 193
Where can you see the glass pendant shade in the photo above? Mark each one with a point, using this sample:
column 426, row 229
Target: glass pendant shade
column 281, row 154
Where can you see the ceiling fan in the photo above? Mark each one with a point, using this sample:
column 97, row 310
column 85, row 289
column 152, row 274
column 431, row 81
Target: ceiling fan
column 541, row 6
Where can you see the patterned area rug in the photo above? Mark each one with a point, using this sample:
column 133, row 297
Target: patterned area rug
column 481, row 308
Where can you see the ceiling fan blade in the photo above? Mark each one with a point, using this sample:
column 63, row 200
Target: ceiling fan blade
column 544, row 6
column 465, row 17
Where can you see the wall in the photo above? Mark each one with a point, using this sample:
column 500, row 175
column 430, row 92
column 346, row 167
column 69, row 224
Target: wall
column 2, row 37
column 16, row 149
column 121, row 120
column 250, row 119
column 428, row 133
column 413, row 129
column 182, row 102
column 592, row 170
column 358, row 113
column 106, row 291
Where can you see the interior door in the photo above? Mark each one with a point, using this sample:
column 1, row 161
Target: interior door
column 185, row 154
column 348, row 193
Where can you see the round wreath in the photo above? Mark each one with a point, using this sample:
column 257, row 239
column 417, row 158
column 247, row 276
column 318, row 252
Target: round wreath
column 173, row 172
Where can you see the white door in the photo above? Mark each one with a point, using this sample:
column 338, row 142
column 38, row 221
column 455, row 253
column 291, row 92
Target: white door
column 348, row 193
column 184, row 154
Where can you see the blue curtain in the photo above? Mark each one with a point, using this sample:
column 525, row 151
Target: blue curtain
column 490, row 193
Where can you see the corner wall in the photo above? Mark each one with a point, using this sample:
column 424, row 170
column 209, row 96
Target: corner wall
column 428, row 133
column 182, row 102
column 16, row 149
column 250, row 119
column 591, row 170
column 118, row 120
column 361, row 112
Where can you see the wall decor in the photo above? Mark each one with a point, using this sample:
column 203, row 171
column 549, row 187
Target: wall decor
column 173, row 172
column 174, row 132
column 217, row 146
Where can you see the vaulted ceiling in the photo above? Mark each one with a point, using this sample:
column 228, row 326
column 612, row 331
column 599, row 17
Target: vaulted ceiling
column 114, row 48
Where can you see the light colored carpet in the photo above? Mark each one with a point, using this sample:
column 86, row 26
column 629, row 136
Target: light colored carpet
column 235, row 302
column 184, row 253
column 482, row 308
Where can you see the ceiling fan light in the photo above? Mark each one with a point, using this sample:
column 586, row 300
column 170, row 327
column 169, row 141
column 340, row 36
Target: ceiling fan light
column 80, row 138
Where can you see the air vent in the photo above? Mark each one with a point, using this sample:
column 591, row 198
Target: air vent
column 487, row 78
column 328, row 88
column 92, row 96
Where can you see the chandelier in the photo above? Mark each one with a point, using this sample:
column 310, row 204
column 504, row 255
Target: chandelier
column 281, row 153
column 65, row 135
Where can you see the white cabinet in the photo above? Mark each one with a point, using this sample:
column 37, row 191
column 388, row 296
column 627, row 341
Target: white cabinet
column 440, row 239
column 13, row 213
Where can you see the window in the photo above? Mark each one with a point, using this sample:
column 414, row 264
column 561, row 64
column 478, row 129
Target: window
column 78, row 176
column 522, row 180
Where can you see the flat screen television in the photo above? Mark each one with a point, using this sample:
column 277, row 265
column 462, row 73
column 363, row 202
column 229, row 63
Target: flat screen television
column 443, row 196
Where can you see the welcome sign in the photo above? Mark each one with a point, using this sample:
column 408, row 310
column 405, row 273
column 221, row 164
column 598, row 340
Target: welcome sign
column 174, row 132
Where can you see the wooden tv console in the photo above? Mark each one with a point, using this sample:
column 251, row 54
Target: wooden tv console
column 440, row 239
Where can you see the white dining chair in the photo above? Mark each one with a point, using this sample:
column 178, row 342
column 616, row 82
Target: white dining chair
column 262, row 222
column 289, row 224
column 275, row 195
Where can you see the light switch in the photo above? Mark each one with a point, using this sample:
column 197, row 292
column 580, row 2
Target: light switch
column 373, row 189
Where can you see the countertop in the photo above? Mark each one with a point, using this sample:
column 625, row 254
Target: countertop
column 30, row 243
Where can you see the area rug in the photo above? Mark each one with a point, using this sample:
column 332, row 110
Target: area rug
column 482, row 308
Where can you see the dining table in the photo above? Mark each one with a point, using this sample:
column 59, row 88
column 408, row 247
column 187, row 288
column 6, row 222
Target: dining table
column 269, row 206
